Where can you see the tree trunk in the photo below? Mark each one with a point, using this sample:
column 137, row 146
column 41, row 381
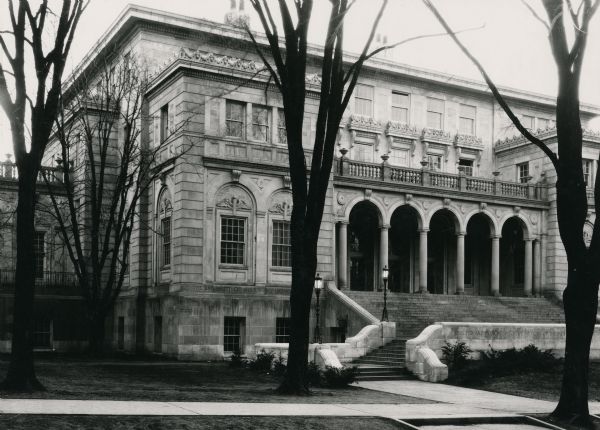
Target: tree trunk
column 21, row 373
column 96, row 333
column 580, row 301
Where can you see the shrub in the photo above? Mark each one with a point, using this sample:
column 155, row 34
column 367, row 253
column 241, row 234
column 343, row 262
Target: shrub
column 236, row 359
column 262, row 362
column 314, row 375
column 279, row 366
column 530, row 358
column 339, row 377
column 455, row 355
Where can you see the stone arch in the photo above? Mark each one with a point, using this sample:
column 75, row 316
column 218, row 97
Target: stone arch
column 493, row 222
column 280, row 203
column 381, row 212
column 523, row 221
column 234, row 196
column 457, row 217
column 164, row 202
column 398, row 205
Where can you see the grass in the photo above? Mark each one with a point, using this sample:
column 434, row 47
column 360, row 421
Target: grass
column 533, row 384
column 69, row 378
column 72, row 422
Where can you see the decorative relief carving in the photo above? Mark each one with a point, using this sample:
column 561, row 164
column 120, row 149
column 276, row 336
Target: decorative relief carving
column 368, row 193
column 341, row 199
column 387, row 201
column 235, row 175
column 360, row 122
column 436, row 135
column 517, row 209
column 234, row 198
column 447, row 202
column 482, row 206
column 220, row 60
column 313, row 79
column 468, row 141
column 534, row 219
column 588, row 229
column 260, row 182
column 281, row 204
column 398, row 129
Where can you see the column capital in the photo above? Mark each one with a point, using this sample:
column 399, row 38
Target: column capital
column 423, row 230
column 342, row 222
column 461, row 233
column 528, row 239
column 385, row 227
column 495, row 236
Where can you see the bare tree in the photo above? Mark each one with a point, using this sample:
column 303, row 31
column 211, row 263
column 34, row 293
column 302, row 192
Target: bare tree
column 106, row 169
column 289, row 55
column 580, row 297
column 30, row 33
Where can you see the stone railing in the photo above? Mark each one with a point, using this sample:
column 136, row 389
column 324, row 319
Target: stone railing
column 8, row 171
column 439, row 180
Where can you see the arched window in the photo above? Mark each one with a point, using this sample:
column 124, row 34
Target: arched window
column 165, row 210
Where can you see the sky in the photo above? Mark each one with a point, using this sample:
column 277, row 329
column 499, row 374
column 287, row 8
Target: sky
column 505, row 37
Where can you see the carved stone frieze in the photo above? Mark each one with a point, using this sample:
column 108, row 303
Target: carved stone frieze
column 234, row 198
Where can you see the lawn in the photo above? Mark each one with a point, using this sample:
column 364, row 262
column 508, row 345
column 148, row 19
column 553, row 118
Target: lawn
column 533, row 384
column 69, row 378
column 70, row 422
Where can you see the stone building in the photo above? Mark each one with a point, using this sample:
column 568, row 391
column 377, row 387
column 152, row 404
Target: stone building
column 430, row 180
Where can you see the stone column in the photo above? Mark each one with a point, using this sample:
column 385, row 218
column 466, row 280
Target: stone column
column 342, row 254
column 495, row 284
column 537, row 268
column 528, row 268
column 423, row 260
column 383, row 252
column 543, row 246
column 460, row 263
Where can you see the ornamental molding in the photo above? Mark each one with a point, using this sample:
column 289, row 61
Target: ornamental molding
column 233, row 198
column 589, row 136
column 398, row 129
column 364, row 123
column 436, row 136
column 468, row 141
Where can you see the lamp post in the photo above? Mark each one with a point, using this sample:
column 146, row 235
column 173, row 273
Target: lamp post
column 384, row 275
column 318, row 288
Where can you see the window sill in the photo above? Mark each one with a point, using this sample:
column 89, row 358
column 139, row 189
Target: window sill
column 233, row 266
column 281, row 269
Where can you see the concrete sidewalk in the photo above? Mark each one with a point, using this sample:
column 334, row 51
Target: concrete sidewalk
column 447, row 402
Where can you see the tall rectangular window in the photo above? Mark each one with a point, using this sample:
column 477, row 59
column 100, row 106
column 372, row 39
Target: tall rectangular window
column 400, row 107
column 166, row 241
column 281, row 130
column 282, row 245
column 587, row 172
column 528, row 122
column 435, row 162
column 399, row 157
column 435, row 113
column 260, row 123
column 466, row 120
column 363, row 152
column 282, row 330
column 235, row 118
column 467, row 166
column 39, row 253
column 523, row 172
column 232, row 333
column 233, row 240
column 164, row 122
column 364, row 99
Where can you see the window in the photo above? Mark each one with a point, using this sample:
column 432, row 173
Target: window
column 232, row 334
column 282, row 330
column 282, row 246
column 39, row 253
column 400, row 107
column 467, row 166
column 466, row 120
column 523, row 172
column 543, row 123
column 435, row 162
column 260, row 123
column 164, row 122
column 281, row 130
column 528, row 122
column 587, row 172
column 435, row 113
column 166, row 241
column 363, row 152
column 364, row 99
column 399, row 157
column 121, row 333
column 234, row 118
column 233, row 240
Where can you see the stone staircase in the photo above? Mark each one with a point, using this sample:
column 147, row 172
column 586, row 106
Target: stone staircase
column 413, row 312
column 385, row 363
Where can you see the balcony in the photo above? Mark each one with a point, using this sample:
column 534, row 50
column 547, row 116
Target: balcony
column 62, row 283
column 431, row 182
column 9, row 177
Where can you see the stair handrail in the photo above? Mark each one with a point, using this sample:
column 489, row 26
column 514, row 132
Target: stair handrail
column 332, row 289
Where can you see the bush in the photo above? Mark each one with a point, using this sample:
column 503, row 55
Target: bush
column 263, row 361
column 314, row 375
column 339, row 377
column 455, row 355
column 530, row 358
column 279, row 366
column 236, row 359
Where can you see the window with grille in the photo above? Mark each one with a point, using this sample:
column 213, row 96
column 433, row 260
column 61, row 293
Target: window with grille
column 467, row 166
column 399, row 157
column 233, row 240
column 523, row 172
column 260, row 123
column 235, row 113
column 164, row 122
column 435, row 162
column 364, row 99
column 587, row 172
column 281, row 130
column 400, row 107
column 166, row 241
column 528, row 122
column 39, row 253
column 282, row 244
column 282, row 330
column 232, row 333
column 466, row 120
column 435, row 113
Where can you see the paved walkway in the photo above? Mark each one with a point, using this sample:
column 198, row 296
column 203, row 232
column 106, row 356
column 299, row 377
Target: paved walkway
column 447, row 401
